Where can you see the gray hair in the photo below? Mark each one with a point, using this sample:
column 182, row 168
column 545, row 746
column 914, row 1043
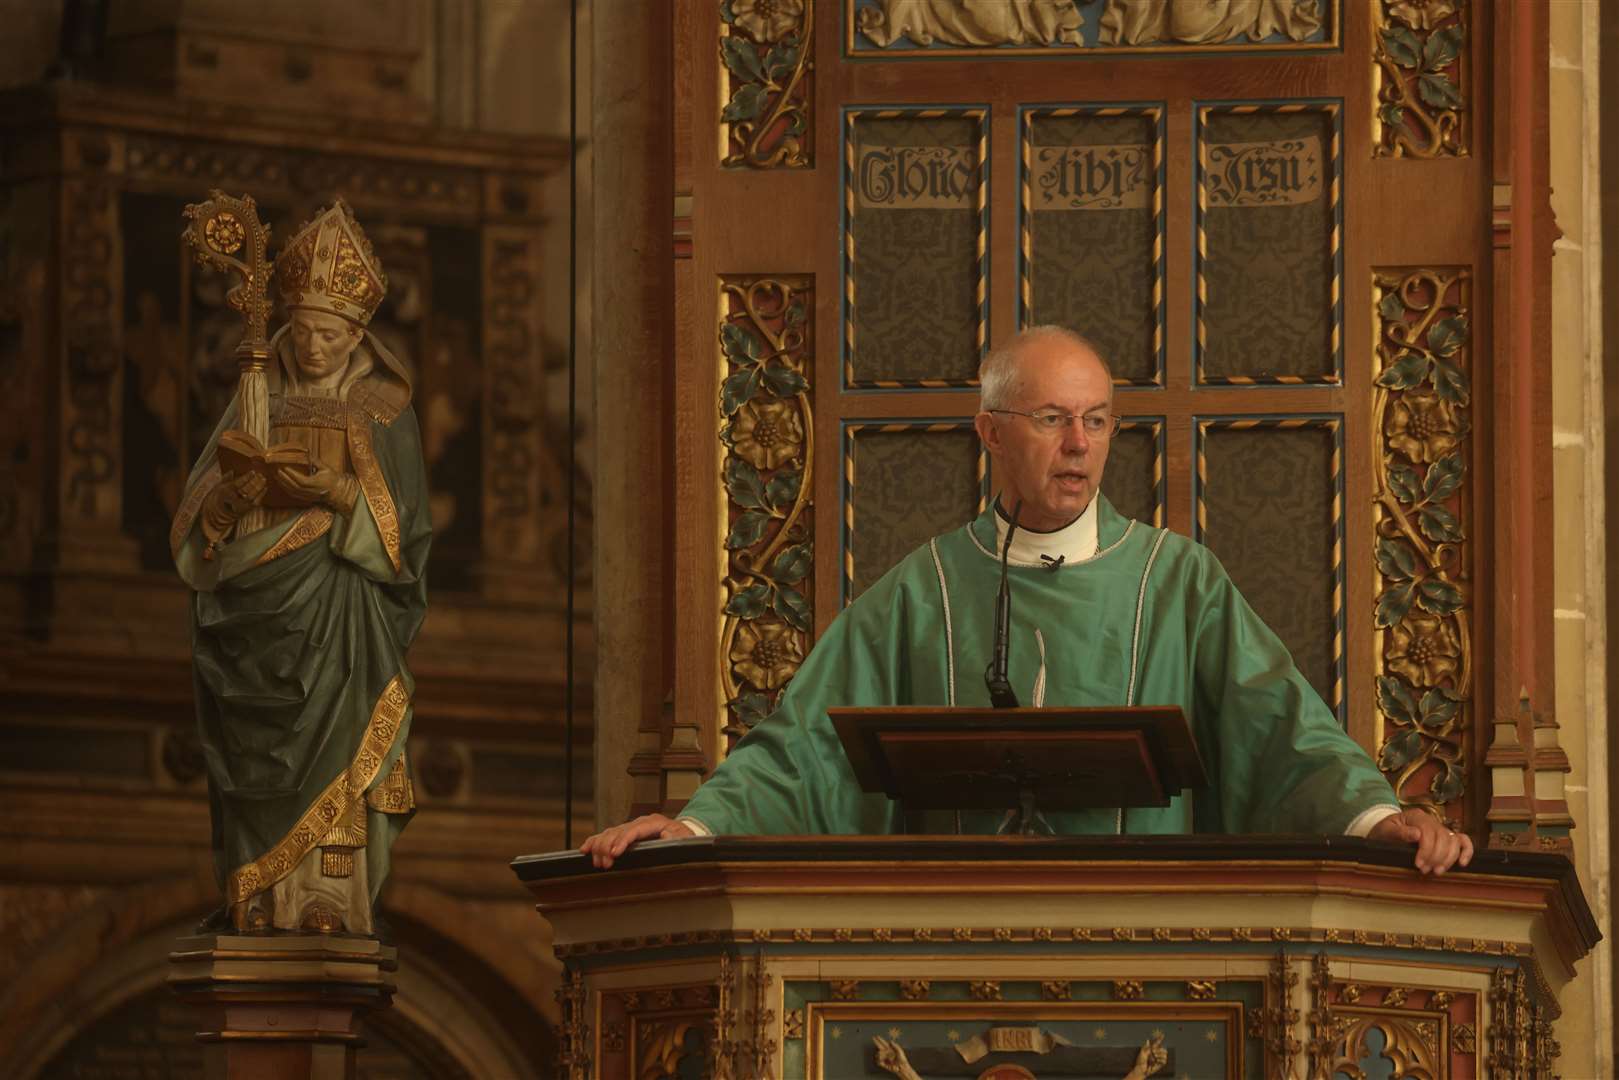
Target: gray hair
column 998, row 374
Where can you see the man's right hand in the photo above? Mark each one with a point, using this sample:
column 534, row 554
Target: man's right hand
column 609, row 844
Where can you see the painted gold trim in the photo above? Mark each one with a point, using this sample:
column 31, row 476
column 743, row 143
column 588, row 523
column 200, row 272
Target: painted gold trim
column 187, row 513
column 311, row 525
column 369, row 473
column 333, row 803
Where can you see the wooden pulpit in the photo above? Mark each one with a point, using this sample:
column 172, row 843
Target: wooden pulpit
column 1001, row 957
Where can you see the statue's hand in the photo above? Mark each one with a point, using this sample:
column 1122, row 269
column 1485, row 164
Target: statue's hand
column 1152, row 1057
column 227, row 503
column 323, row 487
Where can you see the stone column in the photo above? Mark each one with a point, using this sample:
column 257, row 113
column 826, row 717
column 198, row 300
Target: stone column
column 287, row 1006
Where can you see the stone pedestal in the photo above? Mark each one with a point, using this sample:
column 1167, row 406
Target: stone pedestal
column 282, row 1006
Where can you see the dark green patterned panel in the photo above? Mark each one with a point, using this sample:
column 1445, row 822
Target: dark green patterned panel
column 1133, row 478
column 904, row 484
column 1091, row 248
column 1269, row 270
column 1270, row 507
column 915, row 249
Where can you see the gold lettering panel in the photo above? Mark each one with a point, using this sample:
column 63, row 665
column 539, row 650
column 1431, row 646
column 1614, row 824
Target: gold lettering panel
column 1269, row 244
column 916, row 247
column 1091, row 231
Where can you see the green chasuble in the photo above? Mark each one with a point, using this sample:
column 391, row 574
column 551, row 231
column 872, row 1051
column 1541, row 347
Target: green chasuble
column 1152, row 619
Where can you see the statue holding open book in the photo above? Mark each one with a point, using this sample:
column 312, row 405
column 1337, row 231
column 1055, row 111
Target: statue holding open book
column 304, row 534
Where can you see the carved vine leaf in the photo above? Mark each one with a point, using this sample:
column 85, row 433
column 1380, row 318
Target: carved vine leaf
column 1419, row 53
column 1421, row 398
column 766, row 53
column 767, row 616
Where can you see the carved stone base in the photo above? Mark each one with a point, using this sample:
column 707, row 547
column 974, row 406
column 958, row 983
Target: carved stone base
column 288, row 1006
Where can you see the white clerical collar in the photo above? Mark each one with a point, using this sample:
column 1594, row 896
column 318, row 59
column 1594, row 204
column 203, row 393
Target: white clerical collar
column 1074, row 542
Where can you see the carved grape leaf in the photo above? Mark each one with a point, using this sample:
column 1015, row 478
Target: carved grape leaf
column 742, row 58
column 1442, row 47
column 1439, row 596
column 1403, row 47
column 1438, row 708
column 1448, row 782
column 1439, row 525
column 1444, row 477
column 792, row 607
column 751, row 707
column 1395, row 700
column 749, row 603
column 782, row 58
column 1400, row 751
column 1437, row 90
column 746, row 530
column 783, row 487
column 1447, row 336
column 743, row 484
column 1406, row 372
column 741, row 344
column 1391, row 307
column 746, row 104
column 1394, row 603
column 1396, row 559
column 739, row 388
column 783, row 381
column 793, row 565
column 1451, row 382
column 1404, row 483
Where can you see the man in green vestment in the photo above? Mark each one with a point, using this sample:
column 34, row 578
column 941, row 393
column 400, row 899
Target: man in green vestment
column 301, row 620
column 1137, row 616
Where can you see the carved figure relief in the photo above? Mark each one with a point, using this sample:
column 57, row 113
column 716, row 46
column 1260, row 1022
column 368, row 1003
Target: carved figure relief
column 908, row 25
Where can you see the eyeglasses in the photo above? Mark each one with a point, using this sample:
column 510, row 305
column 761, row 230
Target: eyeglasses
column 1095, row 425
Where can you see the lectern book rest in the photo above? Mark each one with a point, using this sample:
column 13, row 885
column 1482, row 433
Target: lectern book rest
column 965, row 758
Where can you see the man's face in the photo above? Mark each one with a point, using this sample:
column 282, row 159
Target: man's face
column 322, row 342
column 1054, row 473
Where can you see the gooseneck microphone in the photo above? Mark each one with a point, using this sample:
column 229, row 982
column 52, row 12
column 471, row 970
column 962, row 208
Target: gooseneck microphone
column 1001, row 694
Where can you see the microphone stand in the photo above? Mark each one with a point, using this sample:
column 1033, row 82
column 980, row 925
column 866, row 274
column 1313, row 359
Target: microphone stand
column 1001, row 694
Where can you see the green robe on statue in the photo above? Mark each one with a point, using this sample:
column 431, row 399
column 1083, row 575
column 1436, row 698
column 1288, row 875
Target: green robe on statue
column 1276, row 758
column 299, row 635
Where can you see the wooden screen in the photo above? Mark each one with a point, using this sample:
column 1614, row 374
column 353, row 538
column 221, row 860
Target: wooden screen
column 879, row 191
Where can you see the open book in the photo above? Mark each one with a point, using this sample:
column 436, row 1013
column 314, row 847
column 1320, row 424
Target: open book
column 241, row 453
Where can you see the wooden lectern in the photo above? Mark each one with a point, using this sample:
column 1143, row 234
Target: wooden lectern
column 1242, row 957
column 1024, row 760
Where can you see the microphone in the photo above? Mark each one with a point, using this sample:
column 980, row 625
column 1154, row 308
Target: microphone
column 1001, row 694
column 1053, row 564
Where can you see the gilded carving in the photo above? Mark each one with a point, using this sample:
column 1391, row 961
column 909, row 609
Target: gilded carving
column 956, row 26
column 1273, row 1023
column 1419, row 78
column 1421, row 420
column 767, row 439
column 1127, row 989
column 844, row 989
column 914, row 989
column 792, row 1025
column 1056, row 989
column 985, row 989
column 573, row 1056
column 959, row 22
column 767, row 56
column 1200, row 989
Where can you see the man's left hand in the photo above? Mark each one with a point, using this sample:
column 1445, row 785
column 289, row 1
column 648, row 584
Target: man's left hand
column 1438, row 848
